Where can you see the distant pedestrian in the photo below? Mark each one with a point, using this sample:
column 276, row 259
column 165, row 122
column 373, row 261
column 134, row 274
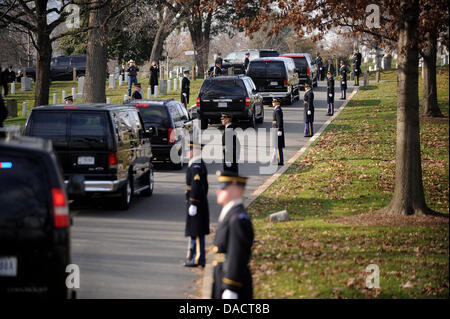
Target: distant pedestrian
column 132, row 75
column 197, row 208
column 246, row 62
column 185, row 89
column 219, row 60
column 308, row 113
column 357, row 66
column 343, row 72
column 233, row 241
column 319, row 62
column 230, row 144
column 137, row 95
column 278, row 124
column 330, row 93
column 68, row 99
column 154, row 73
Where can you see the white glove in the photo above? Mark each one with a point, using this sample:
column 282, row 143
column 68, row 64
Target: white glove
column 228, row 294
column 280, row 133
column 309, row 112
column 228, row 164
column 330, row 94
column 184, row 94
column 192, row 210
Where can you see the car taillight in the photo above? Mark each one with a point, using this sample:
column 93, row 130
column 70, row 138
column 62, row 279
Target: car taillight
column 171, row 136
column 308, row 71
column 247, row 101
column 112, row 159
column 285, row 83
column 60, row 208
column 198, row 101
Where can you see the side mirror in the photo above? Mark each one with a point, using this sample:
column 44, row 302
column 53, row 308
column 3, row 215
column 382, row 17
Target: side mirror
column 76, row 185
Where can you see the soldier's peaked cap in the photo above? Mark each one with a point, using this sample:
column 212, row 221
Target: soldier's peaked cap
column 68, row 98
column 276, row 99
column 226, row 178
column 225, row 116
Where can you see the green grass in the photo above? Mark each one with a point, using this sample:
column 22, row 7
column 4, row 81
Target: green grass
column 350, row 170
column 116, row 95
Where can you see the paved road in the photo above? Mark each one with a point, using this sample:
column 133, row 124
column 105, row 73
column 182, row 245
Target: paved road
column 139, row 253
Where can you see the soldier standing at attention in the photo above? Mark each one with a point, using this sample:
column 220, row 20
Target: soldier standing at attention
column 343, row 72
column 197, row 217
column 230, row 144
column 185, row 88
column 319, row 63
column 308, row 114
column 246, row 62
column 278, row 123
column 330, row 93
column 357, row 66
column 137, row 95
column 233, row 241
column 219, row 60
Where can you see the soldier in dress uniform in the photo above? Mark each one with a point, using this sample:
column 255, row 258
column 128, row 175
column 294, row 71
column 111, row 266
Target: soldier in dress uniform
column 233, row 241
column 357, row 57
column 68, row 99
column 197, row 209
column 230, row 144
column 343, row 72
column 137, row 95
column 308, row 114
column 215, row 70
column 278, row 123
column 319, row 63
column 330, row 94
column 246, row 62
column 219, row 60
column 185, row 88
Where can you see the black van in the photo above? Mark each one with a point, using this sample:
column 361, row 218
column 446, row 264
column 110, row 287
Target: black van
column 275, row 77
column 307, row 71
column 232, row 94
column 34, row 221
column 61, row 68
column 170, row 119
column 107, row 144
column 236, row 59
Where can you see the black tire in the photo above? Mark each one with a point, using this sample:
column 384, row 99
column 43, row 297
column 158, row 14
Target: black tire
column 289, row 99
column 151, row 183
column 252, row 121
column 204, row 124
column 261, row 119
column 126, row 194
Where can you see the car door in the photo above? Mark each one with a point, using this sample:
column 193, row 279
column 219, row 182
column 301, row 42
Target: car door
column 258, row 100
column 141, row 144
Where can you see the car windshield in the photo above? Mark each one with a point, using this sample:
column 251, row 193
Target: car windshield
column 26, row 197
column 154, row 113
column 267, row 69
column 223, row 87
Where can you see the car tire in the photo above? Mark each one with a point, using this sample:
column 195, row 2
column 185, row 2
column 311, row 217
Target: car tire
column 252, row 121
column 126, row 194
column 204, row 124
column 151, row 183
column 289, row 100
column 261, row 119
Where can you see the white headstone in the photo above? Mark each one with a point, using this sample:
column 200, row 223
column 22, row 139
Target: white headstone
column 156, row 92
column 63, row 94
column 25, row 84
column 125, row 97
column 175, row 83
column 55, row 98
column 24, row 109
column 80, row 84
column 181, row 79
column 170, row 74
column 120, row 80
column 169, row 88
column 112, row 83
column 74, row 93
column 126, row 76
column 13, row 88
column 108, row 100
column 149, row 93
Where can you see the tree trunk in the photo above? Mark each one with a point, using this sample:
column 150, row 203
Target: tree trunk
column 200, row 36
column 96, row 61
column 43, row 59
column 408, row 195
column 430, row 103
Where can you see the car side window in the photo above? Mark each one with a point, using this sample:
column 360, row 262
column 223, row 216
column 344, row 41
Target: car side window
column 174, row 112
column 248, row 87
column 126, row 127
column 182, row 111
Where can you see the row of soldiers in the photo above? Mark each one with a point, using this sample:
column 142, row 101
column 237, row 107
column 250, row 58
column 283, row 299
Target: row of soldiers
column 322, row 70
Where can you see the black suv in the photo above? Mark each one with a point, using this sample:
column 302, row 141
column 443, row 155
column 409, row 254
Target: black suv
column 236, row 59
column 61, row 68
column 307, row 71
column 170, row 119
column 105, row 143
column 232, row 94
column 275, row 77
column 34, row 220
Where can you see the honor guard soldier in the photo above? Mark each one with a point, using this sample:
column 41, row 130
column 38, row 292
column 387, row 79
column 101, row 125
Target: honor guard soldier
column 330, row 93
column 233, row 241
column 230, row 144
column 343, row 72
column 219, row 60
column 185, row 88
column 308, row 114
column 319, row 63
column 68, row 99
column 197, row 215
column 246, row 62
column 215, row 70
column 137, row 95
column 357, row 57
column 278, row 123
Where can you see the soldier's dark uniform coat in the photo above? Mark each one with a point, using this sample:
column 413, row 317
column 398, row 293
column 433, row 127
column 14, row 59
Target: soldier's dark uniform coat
column 330, row 90
column 233, row 243
column 343, row 72
column 197, row 194
column 308, row 102
column 231, row 148
column 185, row 88
column 278, row 123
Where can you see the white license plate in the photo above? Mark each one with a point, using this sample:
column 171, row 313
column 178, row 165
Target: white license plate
column 86, row 160
column 273, row 83
column 8, row 266
column 223, row 104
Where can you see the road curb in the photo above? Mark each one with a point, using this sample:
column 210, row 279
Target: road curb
column 208, row 273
